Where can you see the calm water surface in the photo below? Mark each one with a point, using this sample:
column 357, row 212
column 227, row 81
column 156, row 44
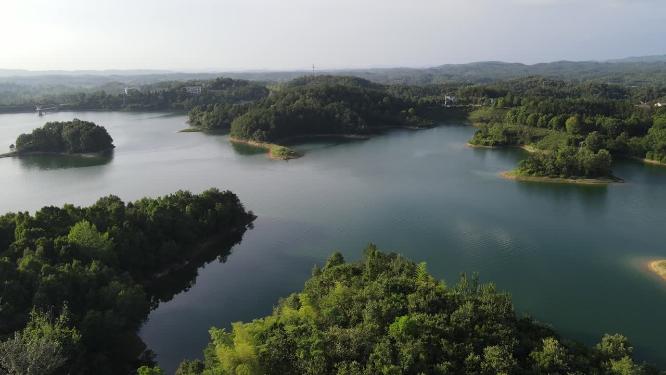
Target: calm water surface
column 572, row 256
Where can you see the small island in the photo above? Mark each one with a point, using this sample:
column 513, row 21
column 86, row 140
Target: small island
column 658, row 267
column 566, row 165
column 74, row 137
column 274, row 151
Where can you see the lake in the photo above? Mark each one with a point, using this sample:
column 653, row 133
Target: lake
column 571, row 256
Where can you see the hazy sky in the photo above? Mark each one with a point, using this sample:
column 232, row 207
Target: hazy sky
column 293, row 34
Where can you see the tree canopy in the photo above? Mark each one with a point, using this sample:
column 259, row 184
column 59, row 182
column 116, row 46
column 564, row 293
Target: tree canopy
column 554, row 117
column 71, row 137
column 387, row 315
column 313, row 105
column 99, row 269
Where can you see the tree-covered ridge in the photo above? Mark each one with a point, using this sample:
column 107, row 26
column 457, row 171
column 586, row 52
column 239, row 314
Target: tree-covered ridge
column 98, row 266
column 388, row 315
column 71, row 137
column 168, row 95
column 313, row 105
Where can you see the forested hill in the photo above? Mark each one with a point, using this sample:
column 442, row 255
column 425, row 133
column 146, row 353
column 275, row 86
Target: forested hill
column 314, row 105
column 24, row 87
column 388, row 315
column 164, row 95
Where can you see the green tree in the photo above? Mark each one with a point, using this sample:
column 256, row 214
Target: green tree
column 147, row 370
column 574, row 125
column 551, row 358
column 41, row 348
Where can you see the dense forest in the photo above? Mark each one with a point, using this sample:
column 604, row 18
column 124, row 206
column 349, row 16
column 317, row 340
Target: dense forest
column 71, row 137
column 172, row 95
column 314, row 105
column 77, row 282
column 387, row 315
column 574, row 123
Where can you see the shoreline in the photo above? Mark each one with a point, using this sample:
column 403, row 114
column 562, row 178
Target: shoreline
column 648, row 161
column 529, row 148
column 34, row 153
column 511, row 175
column 658, row 267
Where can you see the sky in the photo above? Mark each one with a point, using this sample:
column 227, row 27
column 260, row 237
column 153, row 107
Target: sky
column 214, row 35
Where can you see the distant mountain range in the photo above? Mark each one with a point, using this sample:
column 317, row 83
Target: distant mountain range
column 632, row 70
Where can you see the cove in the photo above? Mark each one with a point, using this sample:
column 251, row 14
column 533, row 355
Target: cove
column 571, row 256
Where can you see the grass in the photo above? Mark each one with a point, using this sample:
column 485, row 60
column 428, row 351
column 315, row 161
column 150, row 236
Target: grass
column 485, row 115
column 518, row 176
column 659, row 267
column 274, row 151
column 282, row 152
column 553, row 140
column 191, row 130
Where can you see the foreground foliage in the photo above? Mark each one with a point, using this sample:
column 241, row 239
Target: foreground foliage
column 95, row 267
column 71, row 137
column 387, row 315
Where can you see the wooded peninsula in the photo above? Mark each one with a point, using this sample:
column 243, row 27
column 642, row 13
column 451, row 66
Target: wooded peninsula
column 77, row 282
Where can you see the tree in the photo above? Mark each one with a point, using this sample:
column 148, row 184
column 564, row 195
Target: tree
column 88, row 238
column 41, row 348
column 387, row 315
column 552, row 358
column 147, row 370
column 574, row 125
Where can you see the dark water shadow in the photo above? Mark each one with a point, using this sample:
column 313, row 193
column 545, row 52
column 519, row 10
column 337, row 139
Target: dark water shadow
column 640, row 172
column 49, row 162
column 130, row 346
column 245, row 149
column 591, row 197
column 184, row 277
column 317, row 142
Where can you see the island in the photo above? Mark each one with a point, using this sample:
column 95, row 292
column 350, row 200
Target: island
column 274, row 151
column 70, row 137
column 566, row 165
column 386, row 314
column 78, row 282
column 658, row 267
column 311, row 107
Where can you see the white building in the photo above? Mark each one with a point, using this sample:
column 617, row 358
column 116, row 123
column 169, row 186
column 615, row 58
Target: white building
column 194, row 90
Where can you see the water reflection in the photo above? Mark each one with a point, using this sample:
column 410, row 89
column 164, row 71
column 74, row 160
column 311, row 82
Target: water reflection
column 46, row 162
column 183, row 278
column 245, row 149
column 591, row 197
column 180, row 279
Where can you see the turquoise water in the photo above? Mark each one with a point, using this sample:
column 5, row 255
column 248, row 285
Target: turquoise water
column 571, row 256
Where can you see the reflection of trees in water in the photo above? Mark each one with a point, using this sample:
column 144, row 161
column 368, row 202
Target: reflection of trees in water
column 591, row 197
column 245, row 149
column 179, row 279
column 182, row 277
column 56, row 161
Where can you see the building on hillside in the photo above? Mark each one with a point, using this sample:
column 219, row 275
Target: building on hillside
column 194, row 90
